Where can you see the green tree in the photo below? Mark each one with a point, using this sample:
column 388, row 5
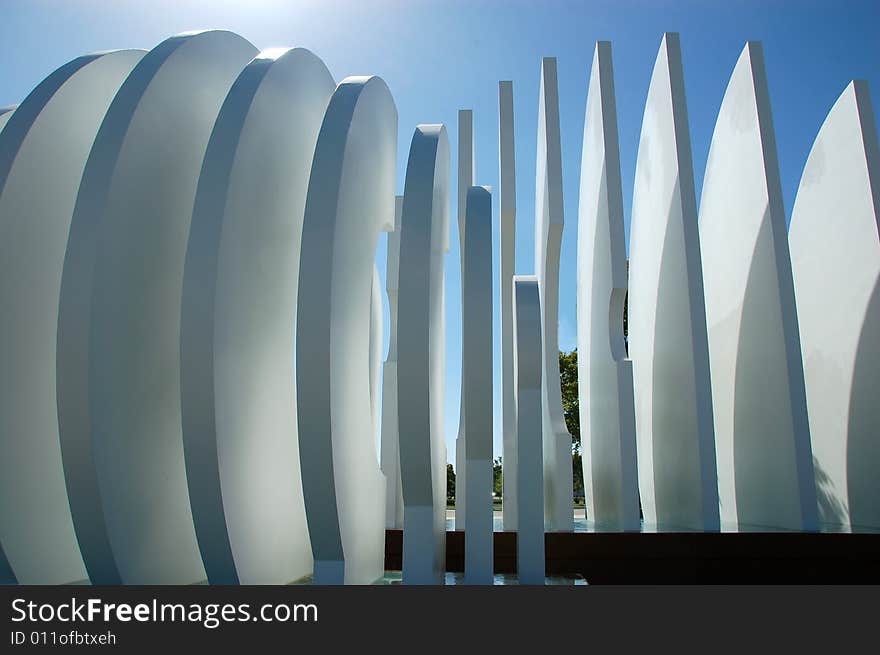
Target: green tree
column 568, row 379
column 450, row 484
column 496, row 471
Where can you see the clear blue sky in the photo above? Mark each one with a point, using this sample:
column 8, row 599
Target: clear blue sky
column 443, row 55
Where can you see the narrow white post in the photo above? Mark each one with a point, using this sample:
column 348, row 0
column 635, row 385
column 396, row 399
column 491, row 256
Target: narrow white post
column 507, row 177
column 528, row 371
column 558, row 492
column 466, row 179
column 477, row 385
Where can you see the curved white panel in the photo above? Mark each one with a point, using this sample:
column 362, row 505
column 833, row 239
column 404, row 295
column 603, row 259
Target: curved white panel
column 5, row 115
column 349, row 200
column 476, row 343
column 507, row 201
column 765, row 469
column 466, row 179
column 43, row 150
column 667, row 316
column 237, row 323
column 390, row 447
column 119, row 323
column 460, row 477
column 548, row 241
column 835, row 258
column 527, row 371
column 608, row 439
column 6, row 574
column 376, row 335
column 421, row 341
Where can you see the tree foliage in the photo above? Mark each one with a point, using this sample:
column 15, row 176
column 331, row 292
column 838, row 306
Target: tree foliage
column 450, row 482
column 568, row 379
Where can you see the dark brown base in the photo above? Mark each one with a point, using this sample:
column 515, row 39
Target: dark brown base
column 684, row 557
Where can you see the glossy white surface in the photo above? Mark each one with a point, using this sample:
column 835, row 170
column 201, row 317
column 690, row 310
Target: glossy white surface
column 835, row 256
column 477, row 384
column 466, row 179
column 507, row 225
column 423, row 241
column 43, row 150
column 608, row 439
column 238, row 387
column 765, row 468
column 528, row 370
column 350, row 199
column 119, row 323
column 548, row 241
column 667, row 316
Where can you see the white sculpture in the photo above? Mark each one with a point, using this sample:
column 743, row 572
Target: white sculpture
column 558, row 490
column 507, row 200
column 667, row 316
column 43, row 150
column 7, row 576
column 765, row 468
column 466, row 179
column 605, row 385
column 835, row 258
column 376, row 345
column 119, row 321
column 237, row 324
column 476, row 344
column 528, row 367
column 191, row 323
column 6, row 114
column 421, row 344
column 390, row 449
column 350, row 199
